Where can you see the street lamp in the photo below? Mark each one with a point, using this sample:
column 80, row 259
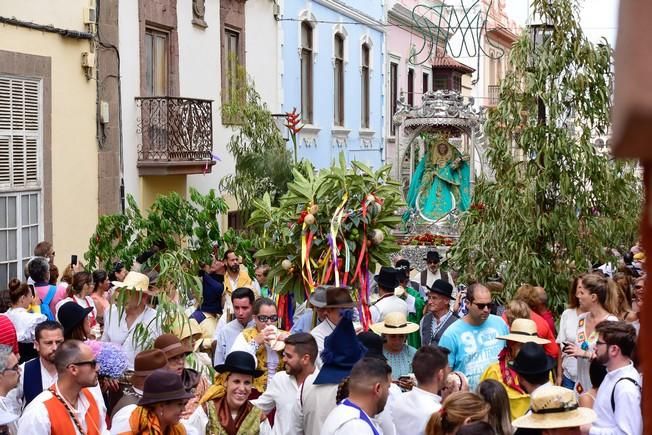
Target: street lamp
column 540, row 33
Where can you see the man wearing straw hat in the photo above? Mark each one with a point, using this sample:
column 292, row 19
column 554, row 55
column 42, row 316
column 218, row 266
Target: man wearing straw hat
column 120, row 327
column 555, row 411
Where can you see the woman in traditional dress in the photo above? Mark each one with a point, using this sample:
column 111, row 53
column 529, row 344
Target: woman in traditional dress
column 227, row 400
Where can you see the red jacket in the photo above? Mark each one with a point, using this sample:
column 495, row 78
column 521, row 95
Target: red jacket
column 543, row 331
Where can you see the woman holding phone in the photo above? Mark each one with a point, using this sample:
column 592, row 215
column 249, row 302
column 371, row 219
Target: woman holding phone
column 567, row 364
column 597, row 296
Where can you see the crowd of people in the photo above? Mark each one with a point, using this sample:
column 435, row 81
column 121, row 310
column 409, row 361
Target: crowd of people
column 438, row 358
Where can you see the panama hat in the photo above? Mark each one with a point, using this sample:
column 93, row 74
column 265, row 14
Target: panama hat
column 394, row 323
column 134, row 281
column 524, row 331
column 554, row 407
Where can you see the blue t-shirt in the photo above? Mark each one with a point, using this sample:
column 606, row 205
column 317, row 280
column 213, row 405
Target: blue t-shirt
column 474, row 348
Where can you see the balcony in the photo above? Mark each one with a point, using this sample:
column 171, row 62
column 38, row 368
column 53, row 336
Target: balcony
column 494, row 95
column 176, row 136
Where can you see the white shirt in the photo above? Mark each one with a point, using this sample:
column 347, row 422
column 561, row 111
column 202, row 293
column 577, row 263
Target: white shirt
column 281, row 393
column 36, row 420
column 386, row 305
column 412, row 410
column 9, row 405
column 568, row 334
column 432, row 277
column 313, row 405
column 224, row 338
column 627, row 420
column 320, row 332
column 241, row 344
column 195, row 425
column 84, row 302
column 346, row 420
column 18, row 393
column 25, row 323
column 117, row 331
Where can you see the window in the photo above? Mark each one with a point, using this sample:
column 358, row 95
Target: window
column 393, row 94
column 457, row 82
column 425, row 80
column 440, row 81
column 338, row 81
column 447, row 80
column 365, row 85
column 306, row 72
column 20, row 174
column 232, row 48
column 156, row 63
column 410, row 87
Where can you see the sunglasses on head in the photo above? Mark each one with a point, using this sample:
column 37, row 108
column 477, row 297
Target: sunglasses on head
column 92, row 363
column 266, row 319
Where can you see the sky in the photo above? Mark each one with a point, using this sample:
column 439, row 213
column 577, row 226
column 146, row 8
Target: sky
column 599, row 17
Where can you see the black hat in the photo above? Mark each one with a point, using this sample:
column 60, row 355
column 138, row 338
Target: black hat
column 403, row 266
column 432, row 256
column 239, row 362
column 71, row 314
column 532, row 360
column 442, row 287
column 374, row 344
column 387, row 278
column 162, row 386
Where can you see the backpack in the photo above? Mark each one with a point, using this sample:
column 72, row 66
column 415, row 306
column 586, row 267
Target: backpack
column 613, row 392
column 45, row 303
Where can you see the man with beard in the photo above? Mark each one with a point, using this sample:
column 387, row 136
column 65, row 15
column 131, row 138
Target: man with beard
column 618, row 403
column 235, row 277
column 299, row 358
column 369, row 384
column 40, row 373
column 69, row 406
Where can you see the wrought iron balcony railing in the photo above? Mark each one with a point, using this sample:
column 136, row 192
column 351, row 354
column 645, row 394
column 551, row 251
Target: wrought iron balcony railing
column 494, row 94
column 176, row 135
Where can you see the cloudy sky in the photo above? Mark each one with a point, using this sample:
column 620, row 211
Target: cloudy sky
column 599, row 17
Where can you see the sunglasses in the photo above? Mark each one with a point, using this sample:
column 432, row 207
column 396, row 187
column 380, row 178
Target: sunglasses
column 266, row 319
column 483, row 306
column 92, row 363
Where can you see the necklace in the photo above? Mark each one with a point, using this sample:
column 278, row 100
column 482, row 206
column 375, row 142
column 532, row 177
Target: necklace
column 68, row 407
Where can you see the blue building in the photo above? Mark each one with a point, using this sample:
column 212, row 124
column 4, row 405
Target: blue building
column 333, row 73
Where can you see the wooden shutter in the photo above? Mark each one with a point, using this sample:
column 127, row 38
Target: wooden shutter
column 20, row 123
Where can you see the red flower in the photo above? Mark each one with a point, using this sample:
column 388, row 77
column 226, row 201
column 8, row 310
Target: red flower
column 293, row 121
column 302, row 217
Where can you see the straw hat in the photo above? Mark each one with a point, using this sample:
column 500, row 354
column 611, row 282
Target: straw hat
column 524, row 331
column 554, row 408
column 394, row 323
column 134, row 281
column 188, row 328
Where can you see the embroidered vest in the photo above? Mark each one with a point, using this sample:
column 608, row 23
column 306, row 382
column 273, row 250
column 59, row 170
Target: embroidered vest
column 61, row 423
column 442, row 272
column 32, row 384
column 250, row 425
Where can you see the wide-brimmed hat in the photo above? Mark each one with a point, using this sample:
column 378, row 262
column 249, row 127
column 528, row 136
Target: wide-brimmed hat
column 163, row 386
column 387, row 278
column 432, row 256
column 554, row 407
column 341, row 351
column 239, row 362
column 135, row 281
column 394, row 323
column 524, row 331
column 442, row 287
column 71, row 314
column 332, row 297
column 374, row 344
column 147, row 361
column 187, row 328
column 532, row 360
column 171, row 346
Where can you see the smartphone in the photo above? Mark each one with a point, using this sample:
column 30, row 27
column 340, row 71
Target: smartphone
column 566, row 345
column 73, row 260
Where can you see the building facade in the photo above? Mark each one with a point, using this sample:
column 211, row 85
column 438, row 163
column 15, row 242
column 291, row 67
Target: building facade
column 333, row 73
column 49, row 140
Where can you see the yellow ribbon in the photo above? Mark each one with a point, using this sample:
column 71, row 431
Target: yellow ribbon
column 336, row 221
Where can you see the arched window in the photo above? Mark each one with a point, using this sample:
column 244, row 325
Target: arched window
column 338, row 80
column 364, row 86
column 306, row 72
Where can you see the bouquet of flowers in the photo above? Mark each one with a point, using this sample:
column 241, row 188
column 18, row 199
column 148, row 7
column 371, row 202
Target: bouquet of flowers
column 111, row 358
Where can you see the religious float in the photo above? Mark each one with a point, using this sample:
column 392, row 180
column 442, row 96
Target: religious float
column 439, row 144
